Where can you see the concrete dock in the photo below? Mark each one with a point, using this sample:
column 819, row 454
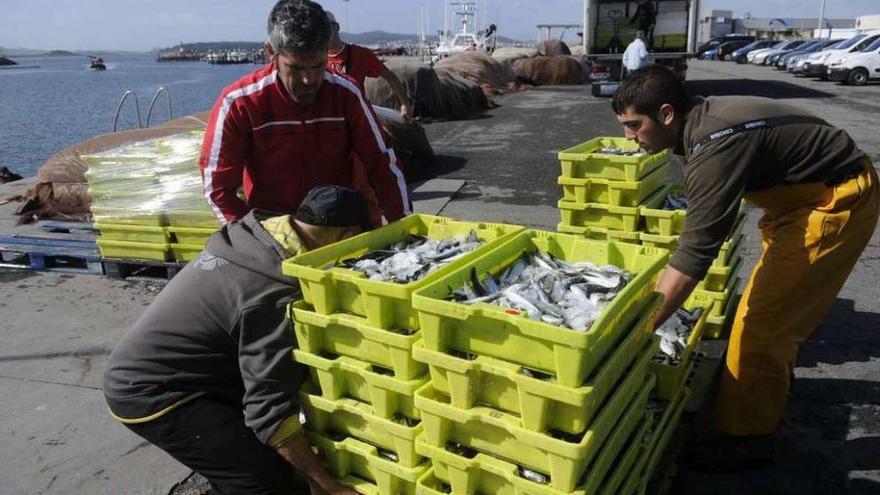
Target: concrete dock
column 57, row 329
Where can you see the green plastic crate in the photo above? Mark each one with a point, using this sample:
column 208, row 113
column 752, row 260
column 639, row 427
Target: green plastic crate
column 613, row 192
column 715, row 325
column 540, row 404
column 503, row 333
column 626, row 461
column 191, row 235
column 352, row 336
column 486, row 474
column 200, row 218
column 600, row 233
column 133, row 233
column 358, row 465
column 345, row 376
column 671, row 378
column 622, row 218
column 671, row 222
column 186, row 252
column 127, row 216
column 718, row 276
column 355, row 419
column 729, row 249
column 385, row 304
column 133, row 250
column 698, row 297
column 582, row 161
column 660, row 439
column 498, row 434
column 663, row 222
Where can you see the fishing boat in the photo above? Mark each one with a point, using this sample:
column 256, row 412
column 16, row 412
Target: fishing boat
column 228, row 57
column 465, row 39
column 97, row 64
column 5, row 61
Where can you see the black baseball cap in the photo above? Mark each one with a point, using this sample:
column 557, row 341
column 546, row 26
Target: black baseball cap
column 334, row 206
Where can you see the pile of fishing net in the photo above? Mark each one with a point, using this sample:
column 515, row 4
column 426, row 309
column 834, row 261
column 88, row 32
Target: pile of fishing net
column 413, row 150
column 61, row 191
column 556, row 70
column 552, row 47
column 493, row 75
column 434, row 94
column 512, row 54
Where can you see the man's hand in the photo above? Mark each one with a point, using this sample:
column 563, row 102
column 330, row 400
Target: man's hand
column 333, row 488
column 675, row 287
column 300, row 455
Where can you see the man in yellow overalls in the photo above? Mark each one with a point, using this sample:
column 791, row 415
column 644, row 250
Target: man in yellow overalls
column 821, row 203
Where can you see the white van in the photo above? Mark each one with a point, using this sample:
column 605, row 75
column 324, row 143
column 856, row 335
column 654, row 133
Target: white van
column 857, row 68
column 818, row 65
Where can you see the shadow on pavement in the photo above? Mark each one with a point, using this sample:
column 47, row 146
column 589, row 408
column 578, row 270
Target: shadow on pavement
column 818, row 451
column 751, row 87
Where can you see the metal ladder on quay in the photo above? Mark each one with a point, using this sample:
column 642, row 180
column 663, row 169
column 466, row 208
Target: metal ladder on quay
column 137, row 107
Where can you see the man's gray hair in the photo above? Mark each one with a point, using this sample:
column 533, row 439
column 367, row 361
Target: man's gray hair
column 298, row 26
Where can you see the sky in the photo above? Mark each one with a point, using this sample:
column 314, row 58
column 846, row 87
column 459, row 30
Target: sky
column 141, row 25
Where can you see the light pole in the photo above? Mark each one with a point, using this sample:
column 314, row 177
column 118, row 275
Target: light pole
column 822, row 19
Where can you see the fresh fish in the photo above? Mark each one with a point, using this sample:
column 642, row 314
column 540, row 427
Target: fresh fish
column 548, row 289
column 613, row 150
column 533, row 476
column 388, row 455
column 674, row 335
column 411, row 259
column 675, row 202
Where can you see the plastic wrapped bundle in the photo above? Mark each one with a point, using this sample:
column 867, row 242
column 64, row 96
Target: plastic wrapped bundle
column 152, row 183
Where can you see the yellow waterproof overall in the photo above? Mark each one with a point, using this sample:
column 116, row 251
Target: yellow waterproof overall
column 812, row 235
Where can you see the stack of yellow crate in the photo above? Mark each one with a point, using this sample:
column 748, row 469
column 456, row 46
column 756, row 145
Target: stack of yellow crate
column 516, row 405
column 357, row 336
column 620, row 198
column 662, row 228
column 147, row 199
column 603, row 192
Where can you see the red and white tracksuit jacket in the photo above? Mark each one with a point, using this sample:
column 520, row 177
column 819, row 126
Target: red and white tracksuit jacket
column 257, row 136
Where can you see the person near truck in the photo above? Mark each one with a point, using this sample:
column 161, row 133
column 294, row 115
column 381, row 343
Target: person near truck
column 359, row 63
column 821, row 203
column 635, row 55
column 292, row 125
column 207, row 374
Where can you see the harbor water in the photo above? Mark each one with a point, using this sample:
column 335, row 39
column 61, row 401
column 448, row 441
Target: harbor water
column 62, row 102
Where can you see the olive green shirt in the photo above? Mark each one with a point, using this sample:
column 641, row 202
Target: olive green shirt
column 719, row 172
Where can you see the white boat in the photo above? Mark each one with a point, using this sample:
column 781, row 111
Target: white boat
column 465, row 39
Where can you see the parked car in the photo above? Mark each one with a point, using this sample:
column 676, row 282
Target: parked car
column 725, row 50
column 815, row 46
column 857, row 68
column 764, row 58
column 797, row 64
column 740, row 54
column 714, row 42
column 710, row 54
column 750, row 58
column 817, row 66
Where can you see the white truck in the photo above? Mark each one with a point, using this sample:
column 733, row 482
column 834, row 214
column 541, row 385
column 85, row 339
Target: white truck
column 670, row 28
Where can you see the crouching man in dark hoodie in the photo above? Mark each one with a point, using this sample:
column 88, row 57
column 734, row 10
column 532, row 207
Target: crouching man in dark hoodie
column 207, row 373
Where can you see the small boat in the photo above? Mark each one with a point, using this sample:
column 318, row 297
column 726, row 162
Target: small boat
column 97, row 64
column 466, row 40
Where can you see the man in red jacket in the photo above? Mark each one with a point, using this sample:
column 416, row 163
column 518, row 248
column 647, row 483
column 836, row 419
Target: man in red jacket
column 359, row 63
column 292, row 125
